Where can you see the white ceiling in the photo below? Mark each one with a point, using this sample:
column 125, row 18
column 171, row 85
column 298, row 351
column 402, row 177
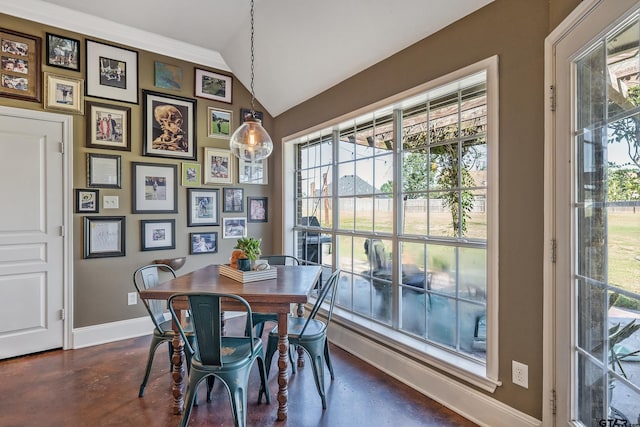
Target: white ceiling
column 302, row 47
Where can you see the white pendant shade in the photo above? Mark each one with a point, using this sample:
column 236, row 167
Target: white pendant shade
column 250, row 141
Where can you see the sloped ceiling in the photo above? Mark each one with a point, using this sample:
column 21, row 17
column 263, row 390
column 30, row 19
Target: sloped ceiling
column 302, row 47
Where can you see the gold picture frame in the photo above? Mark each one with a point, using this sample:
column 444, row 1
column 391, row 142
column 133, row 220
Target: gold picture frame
column 64, row 94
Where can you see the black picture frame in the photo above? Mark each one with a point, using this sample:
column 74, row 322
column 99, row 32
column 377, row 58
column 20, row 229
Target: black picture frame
column 158, row 139
column 257, row 209
column 245, row 113
column 203, row 243
column 104, row 236
column 63, row 52
column 154, row 187
column 104, row 170
column 87, row 201
column 233, row 199
column 117, row 135
column 112, row 72
column 157, row 234
column 203, row 207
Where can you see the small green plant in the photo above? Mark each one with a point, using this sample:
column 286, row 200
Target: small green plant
column 250, row 246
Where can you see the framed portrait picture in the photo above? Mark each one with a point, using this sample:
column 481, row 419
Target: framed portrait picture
column 190, row 174
column 253, row 172
column 218, row 166
column 20, row 60
column 108, row 126
column 233, row 200
column 157, row 234
column 245, row 113
column 167, row 76
column 213, row 86
column 112, row 72
column 232, row 228
column 203, row 243
column 169, row 125
column 103, row 171
column 87, row 201
column 219, row 123
column 63, row 94
column 104, row 236
column 203, row 207
column 155, row 189
column 258, row 209
column 63, row 52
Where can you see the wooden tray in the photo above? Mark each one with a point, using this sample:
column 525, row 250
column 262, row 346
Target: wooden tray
column 247, row 276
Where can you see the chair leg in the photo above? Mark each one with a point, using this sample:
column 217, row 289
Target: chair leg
column 317, row 363
column 264, row 386
column 292, row 357
column 327, row 358
column 190, row 397
column 155, row 342
column 236, row 385
column 272, row 347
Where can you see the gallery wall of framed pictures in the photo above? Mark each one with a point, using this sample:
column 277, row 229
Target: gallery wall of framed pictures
column 134, row 110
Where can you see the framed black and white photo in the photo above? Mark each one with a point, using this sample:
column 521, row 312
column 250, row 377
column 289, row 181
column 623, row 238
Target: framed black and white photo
column 103, row 171
column 112, row 72
column 218, row 166
column 232, row 228
column 108, row 126
column 253, row 172
column 169, row 125
column 63, row 52
column 63, row 94
column 213, row 86
column 155, row 188
column 157, row 234
column 233, row 200
column 203, row 243
column 257, row 208
column 191, row 174
column 87, row 201
column 203, row 207
column 104, row 236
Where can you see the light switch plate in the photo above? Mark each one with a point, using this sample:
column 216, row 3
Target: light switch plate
column 110, row 202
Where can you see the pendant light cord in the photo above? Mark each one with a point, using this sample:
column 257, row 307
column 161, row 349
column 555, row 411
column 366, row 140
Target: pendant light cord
column 253, row 96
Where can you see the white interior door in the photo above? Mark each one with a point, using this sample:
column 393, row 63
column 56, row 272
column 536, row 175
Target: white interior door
column 31, row 241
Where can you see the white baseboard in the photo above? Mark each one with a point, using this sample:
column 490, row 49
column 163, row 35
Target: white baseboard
column 466, row 401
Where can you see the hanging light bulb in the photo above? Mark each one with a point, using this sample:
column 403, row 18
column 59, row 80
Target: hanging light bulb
column 251, row 141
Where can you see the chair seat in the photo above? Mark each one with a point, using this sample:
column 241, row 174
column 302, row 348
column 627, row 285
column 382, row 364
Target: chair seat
column 235, row 351
column 167, row 327
column 314, row 328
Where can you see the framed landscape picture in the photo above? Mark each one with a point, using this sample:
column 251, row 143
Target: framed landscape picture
column 155, row 189
column 157, row 234
column 218, row 166
column 112, row 72
column 203, row 243
column 64, row 94
column 108, row 126
column 203, row 207
column 169, row 126
column 20, row 61
column 167, row 76
column 219, row 123
column 104, row 236
column 213, row 86
column 63, row 52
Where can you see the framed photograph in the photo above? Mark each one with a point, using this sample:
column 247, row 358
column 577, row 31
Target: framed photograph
column 219, row 123
column 104, row 236
column 87, row 201
column 233, row 200
column 112, row 72
column 167, row 76
column 104, row 171
column 233, row 228
column 253, row 172
column 190, row 174
column 258, row 209
column 203, row 243
column 203, row 207
column 155, row 188
column 63, row 94
column 157, row 234
column 213, row 86
column 63, row 52
column 108, row 126
column 218, row 166
column 20, row 60
column 169, row 125
column 245, row 113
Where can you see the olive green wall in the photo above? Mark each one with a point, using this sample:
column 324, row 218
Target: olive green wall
column 515, row 31
column 101, row 285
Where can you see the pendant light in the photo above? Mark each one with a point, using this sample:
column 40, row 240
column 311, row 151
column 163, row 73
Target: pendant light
column 250, row 141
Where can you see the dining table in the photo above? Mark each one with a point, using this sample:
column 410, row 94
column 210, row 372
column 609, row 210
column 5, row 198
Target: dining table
column 292, row 285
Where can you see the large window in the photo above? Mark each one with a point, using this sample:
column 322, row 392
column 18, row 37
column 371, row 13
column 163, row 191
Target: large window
column 399, row 200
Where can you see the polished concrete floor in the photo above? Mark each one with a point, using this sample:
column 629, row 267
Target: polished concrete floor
column 98, row 386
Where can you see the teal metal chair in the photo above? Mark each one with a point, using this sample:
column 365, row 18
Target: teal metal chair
column 259, row 319
column 227, row 358
column 148, row 277
column 310, row 334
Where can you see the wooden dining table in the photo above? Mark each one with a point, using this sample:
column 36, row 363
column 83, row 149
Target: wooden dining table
column 292, row 285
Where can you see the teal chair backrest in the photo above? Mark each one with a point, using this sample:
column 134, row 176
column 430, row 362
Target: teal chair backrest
column 281, row 259
column 329, row 288
column 148, row 277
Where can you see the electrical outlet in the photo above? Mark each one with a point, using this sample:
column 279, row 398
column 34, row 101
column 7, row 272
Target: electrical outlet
column 520, row 374
column 132, row 298
column 110, row 202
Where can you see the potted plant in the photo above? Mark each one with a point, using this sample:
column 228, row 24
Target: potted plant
column 250, row 246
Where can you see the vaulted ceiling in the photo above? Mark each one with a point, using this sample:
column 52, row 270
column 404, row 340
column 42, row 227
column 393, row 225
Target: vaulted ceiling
column 302, row 47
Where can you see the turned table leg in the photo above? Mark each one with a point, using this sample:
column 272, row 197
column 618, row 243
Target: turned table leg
column 178, row 368
column 283, row 362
